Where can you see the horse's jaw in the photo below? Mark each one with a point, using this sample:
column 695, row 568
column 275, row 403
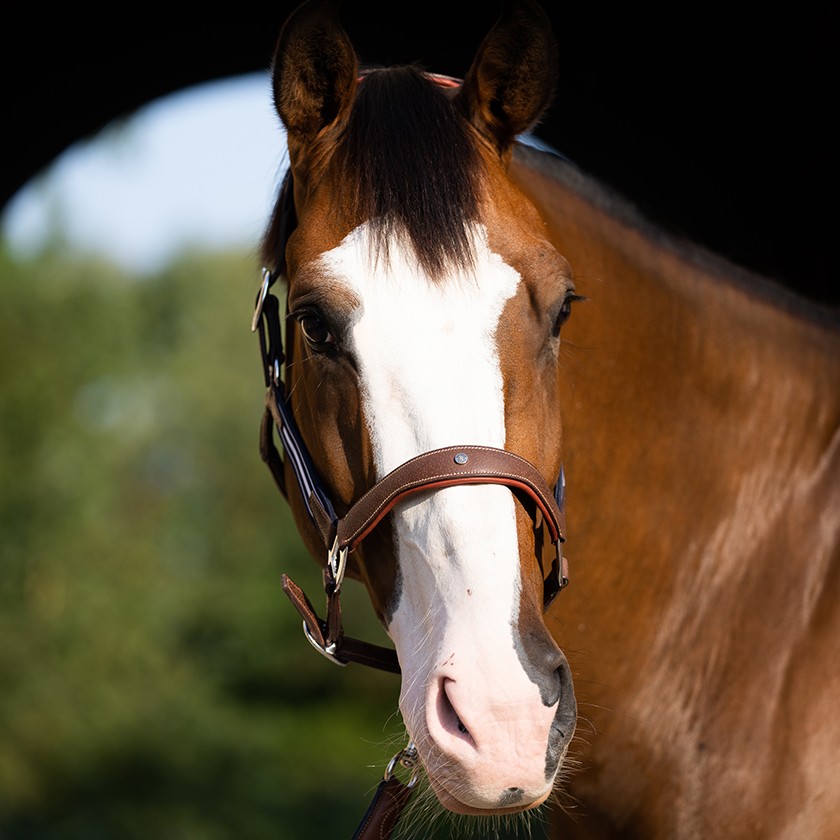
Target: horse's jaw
column 486, row 694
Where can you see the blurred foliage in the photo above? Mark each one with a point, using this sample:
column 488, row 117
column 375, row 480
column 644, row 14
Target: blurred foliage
column 154, row 682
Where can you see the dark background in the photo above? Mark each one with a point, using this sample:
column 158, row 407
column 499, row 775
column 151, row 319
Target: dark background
column 717, row 122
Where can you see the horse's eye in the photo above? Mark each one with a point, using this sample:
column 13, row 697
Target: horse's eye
column 565, row 312
column 315, row 331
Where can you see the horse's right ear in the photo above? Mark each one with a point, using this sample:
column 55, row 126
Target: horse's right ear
column 314, row 73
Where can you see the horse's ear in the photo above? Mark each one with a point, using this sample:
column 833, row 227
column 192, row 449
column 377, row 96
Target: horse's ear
column 512, row 79
column 314, row 72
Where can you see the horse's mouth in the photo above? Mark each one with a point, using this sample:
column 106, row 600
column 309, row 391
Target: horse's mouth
column 454, row 793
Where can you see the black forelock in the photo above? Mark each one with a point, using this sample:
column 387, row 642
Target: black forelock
column 412, row 168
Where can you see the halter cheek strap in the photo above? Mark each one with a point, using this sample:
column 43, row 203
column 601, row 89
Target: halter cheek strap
column 430, row 471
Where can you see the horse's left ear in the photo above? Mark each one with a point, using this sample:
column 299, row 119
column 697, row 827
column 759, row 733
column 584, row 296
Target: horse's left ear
column 512, row 79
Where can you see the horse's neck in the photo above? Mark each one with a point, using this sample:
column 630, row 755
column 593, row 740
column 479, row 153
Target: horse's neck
column 702, row 452
column 700, row 420
column 673, row 358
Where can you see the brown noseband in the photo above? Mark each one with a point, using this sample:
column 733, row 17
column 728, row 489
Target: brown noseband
column 444, row 468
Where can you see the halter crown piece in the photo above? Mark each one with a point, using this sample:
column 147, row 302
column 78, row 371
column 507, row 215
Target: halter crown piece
column 438, row 468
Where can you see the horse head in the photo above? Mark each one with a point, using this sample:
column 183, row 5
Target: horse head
column 424, row 311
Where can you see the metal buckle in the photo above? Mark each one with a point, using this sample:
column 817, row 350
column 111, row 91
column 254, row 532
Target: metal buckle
column 327, row 652
column 261, row 296
column 336, row 566
column 337, row 563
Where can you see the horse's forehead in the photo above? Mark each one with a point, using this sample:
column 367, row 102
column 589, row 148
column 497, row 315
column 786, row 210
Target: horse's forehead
column 357, row 265
column 510, row 227
column 425, row 350
column 337, row 258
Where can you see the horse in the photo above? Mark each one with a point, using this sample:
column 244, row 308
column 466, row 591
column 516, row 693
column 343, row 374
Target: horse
column 472, row 324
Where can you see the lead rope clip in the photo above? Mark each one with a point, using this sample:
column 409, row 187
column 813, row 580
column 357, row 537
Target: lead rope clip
column 391, row 797
column 408, row 759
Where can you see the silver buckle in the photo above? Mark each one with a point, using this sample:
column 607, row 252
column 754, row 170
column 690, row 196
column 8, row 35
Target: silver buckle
column 337, row 562
column 266, row 283
column 328, row 652
column 407, row 758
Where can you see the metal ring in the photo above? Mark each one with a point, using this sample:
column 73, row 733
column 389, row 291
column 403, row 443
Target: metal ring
column 328, row 652
column 407, row 758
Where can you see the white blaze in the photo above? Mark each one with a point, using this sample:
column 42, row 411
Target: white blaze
column 426, row 350
column 430, row 377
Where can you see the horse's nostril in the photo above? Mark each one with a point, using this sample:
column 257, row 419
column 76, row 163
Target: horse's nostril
column 553, row 688
column 448, row 715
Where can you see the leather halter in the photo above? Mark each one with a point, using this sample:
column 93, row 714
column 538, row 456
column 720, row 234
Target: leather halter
column 427, row 472
column 430, row 471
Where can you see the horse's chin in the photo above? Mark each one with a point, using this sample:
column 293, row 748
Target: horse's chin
column 454, row 794
column 452, row 803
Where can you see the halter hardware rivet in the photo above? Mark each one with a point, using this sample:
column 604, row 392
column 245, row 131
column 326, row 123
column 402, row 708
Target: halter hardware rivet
column 461, row 458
